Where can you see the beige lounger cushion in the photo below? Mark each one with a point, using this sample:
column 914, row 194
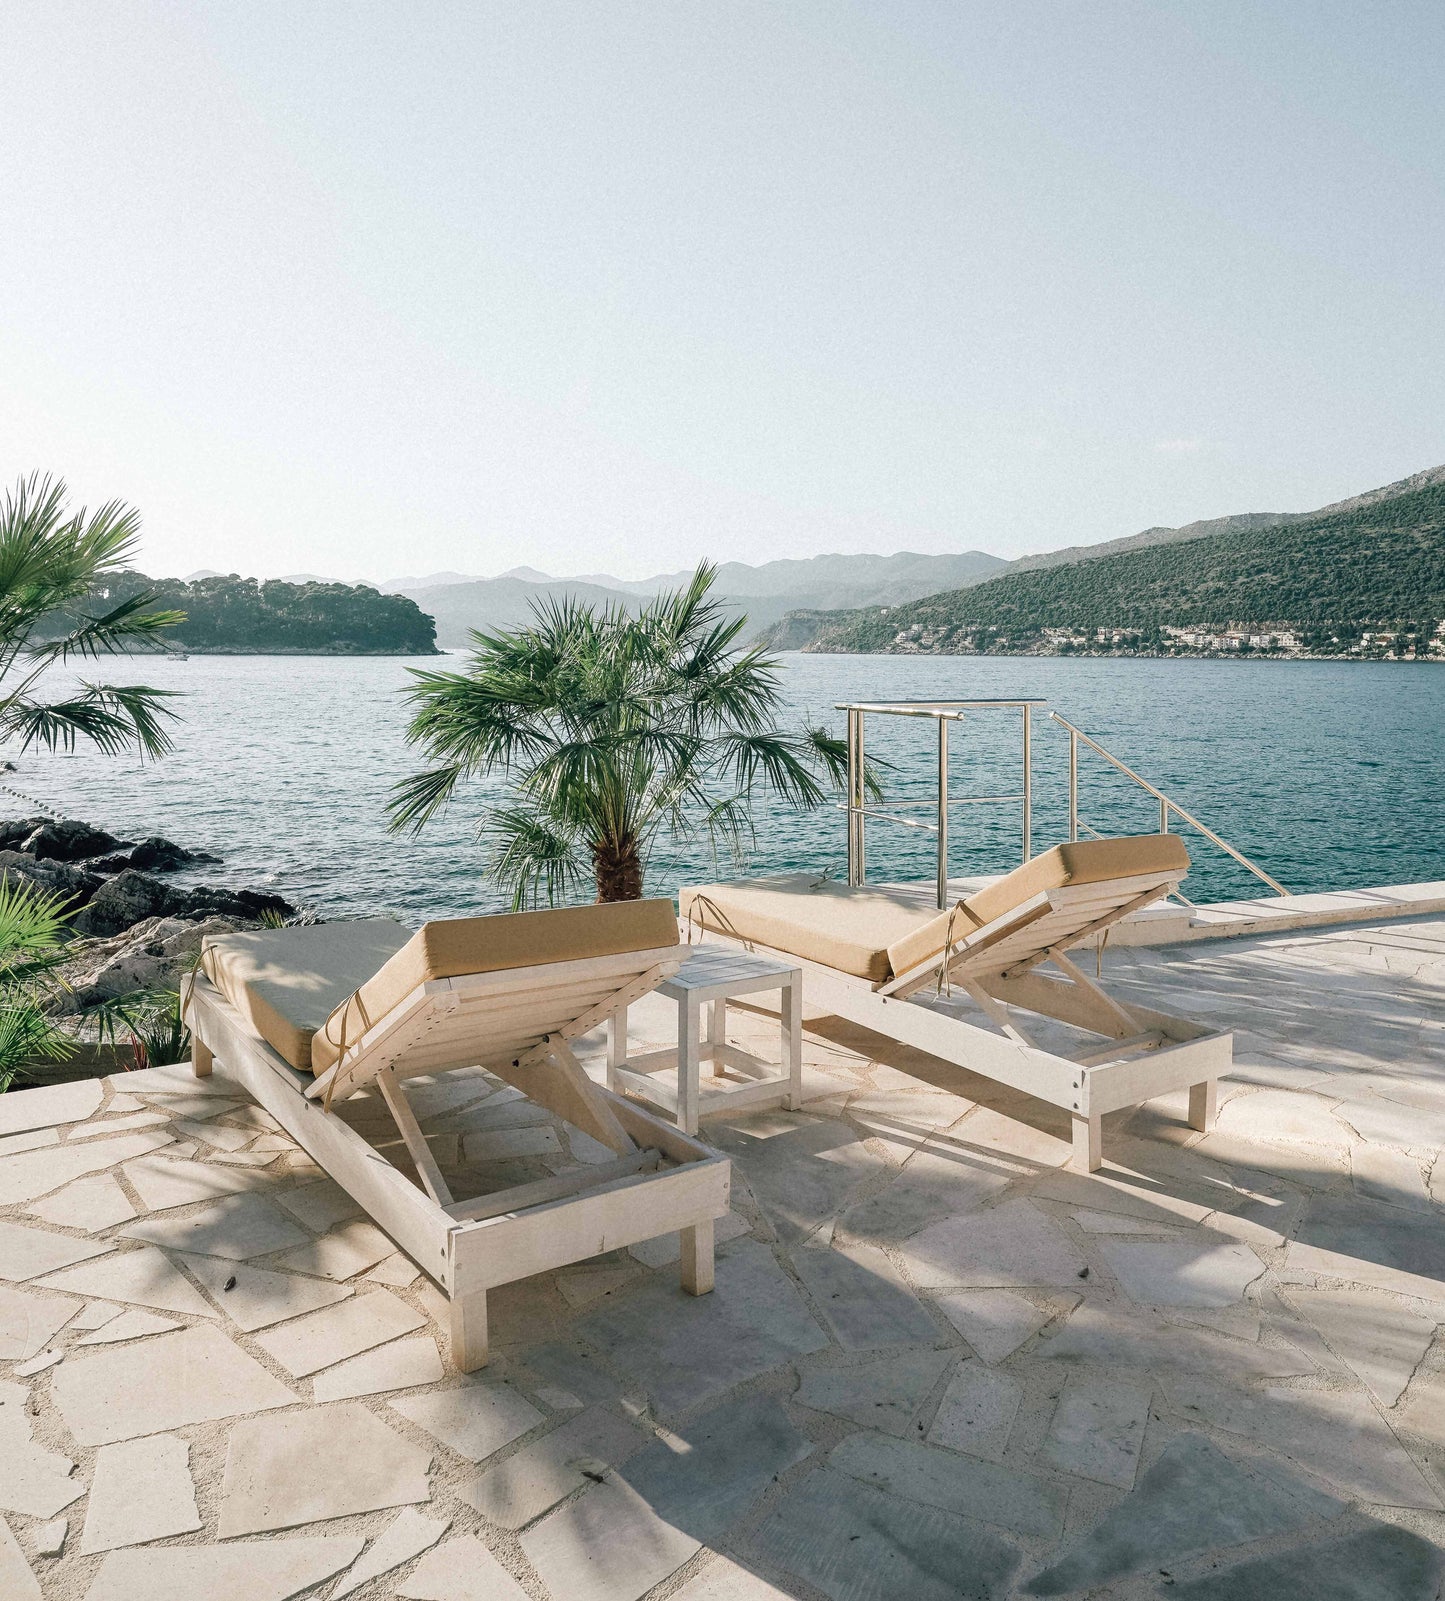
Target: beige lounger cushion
column 1085, row 861
column 875, row 934
column 818, row 919
column 287, row 981
column 497, row 944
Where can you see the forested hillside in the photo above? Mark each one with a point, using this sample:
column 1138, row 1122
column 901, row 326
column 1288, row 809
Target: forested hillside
column 1380, row 565
column 233, row 615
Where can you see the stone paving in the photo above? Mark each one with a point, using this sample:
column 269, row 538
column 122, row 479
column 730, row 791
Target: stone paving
column 936, row 1364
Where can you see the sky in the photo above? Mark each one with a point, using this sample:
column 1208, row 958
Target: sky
column 372, row 288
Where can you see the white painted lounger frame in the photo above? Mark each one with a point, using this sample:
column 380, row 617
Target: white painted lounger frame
column 1149, row 1053
column 518, row 1025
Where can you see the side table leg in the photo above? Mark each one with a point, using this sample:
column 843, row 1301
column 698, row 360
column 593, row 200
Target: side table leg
column 697, row 1258
column 717, row 1022
column 793, row 1040
column 688, row 1052
column 616, row 1045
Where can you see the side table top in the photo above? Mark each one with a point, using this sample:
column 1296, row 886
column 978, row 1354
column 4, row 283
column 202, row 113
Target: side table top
column 727, row 970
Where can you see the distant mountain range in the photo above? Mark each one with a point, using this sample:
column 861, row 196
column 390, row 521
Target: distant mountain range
column 789, row 602
column 1374, row 563
column 460, row 603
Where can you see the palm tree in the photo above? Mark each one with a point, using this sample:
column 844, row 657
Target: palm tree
column 616, row 734
column 52, row 562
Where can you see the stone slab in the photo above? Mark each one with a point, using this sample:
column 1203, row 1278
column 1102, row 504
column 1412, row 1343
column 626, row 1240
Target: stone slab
column 17, row 1581
column 929, row 1188
column 977, row 1411
column 1391, row 1176
column 49, row 1106
column 1130, row 1193
column 1097, row 1430
column 855, row 1543
column 685, row 1349
column 1337, row 1435
column 1012, row 1245
column 349, row 1248
column 630, row 1532
column 1382, row 1338
column 258, row 1297
column 321, row 1339
column 194, row 1375
column 1365, row 1242
column 117, row 1125
column 142, row 1277
column 1022, row 1503
column 533, row 1480
column 474, row 1419
column 725, row 1580
column 884, row 1393
column 396, row 1271
column 1130, row 1337
column 235, row 1227
column 28, row 1320
column 1379, row 1564
column 502, row 1145
column 327, row 1462
column 665, row 1249
column 1116, row 1223
column 995, row 1322
column 140, row 1490
column 36, row 1173
column 801, row 1169
column 214, row 1133
column 1182, row 1272
column 862, row 1298
column 461, row 1570
column 132, row 1325
column 401, row 1365
column 320, row 1205
column 1193, row 1498
column 27, row 1253
column 162, row 1184
column 49, row 1539
column 245, row 1570
column 406, row 1536
column 91, row 1203
column 13, row 1144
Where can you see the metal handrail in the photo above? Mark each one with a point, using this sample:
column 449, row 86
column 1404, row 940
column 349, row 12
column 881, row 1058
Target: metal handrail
column 1166, row 805
column 944, row 712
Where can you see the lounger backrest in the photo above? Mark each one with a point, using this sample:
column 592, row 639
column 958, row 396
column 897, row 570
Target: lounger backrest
column 522, row 974
column 1084, row 877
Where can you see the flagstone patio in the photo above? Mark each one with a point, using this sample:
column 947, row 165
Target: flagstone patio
column 936, row 1364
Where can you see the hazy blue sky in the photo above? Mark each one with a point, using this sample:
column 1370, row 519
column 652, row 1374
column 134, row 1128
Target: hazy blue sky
column 370, row 288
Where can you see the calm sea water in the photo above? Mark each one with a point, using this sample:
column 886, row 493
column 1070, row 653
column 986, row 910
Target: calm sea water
column 1327, row 774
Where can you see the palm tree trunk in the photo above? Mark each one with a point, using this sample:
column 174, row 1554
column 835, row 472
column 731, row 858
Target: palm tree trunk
column 617, row 868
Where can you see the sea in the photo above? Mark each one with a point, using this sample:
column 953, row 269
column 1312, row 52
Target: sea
column 1326, row 774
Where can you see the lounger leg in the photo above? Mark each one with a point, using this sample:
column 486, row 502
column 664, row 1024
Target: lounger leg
column 793, row 1041
column 697, row 1258
column 1203, row 1100
column 1088, row 1144
column 616, row 1045
column 689, row 1050
column 469, row 1331
column 202, row 1061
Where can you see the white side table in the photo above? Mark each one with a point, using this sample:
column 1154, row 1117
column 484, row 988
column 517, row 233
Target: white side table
column 712, row 976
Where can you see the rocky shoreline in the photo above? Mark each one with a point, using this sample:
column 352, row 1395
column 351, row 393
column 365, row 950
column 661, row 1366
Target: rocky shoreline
column 133, row 930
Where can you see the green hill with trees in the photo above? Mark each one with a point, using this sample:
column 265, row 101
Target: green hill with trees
column 230, row 615
column 1331, row 580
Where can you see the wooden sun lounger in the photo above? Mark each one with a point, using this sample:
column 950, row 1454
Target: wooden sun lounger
column 345, row 1021
column 992, row 947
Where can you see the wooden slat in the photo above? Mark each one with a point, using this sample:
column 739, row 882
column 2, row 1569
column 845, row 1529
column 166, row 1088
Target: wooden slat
column 521, row 1196
column 426, row 1164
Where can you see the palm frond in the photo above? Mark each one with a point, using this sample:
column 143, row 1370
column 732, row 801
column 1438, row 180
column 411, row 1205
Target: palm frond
column 113, row 717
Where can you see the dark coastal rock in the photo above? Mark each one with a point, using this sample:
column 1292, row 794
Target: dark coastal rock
column 155, row 954
column 76, row 884
column 152, row 855
column 125, row 900
column 131, row 897
column 14, row 833
column 67, row 841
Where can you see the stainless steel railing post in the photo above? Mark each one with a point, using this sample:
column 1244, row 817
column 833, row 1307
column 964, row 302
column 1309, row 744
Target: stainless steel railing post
column 1163, row 816
column 1028, row 782
column 942, row 813
column 1073, row 785
column 857, row 796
